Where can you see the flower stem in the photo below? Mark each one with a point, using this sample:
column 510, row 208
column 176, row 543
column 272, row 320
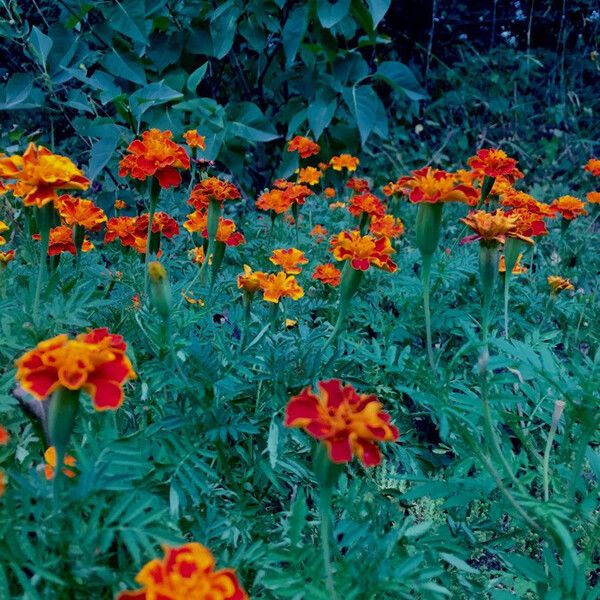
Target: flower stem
column 212, row 224
column 324, row 513
column 44, row 219
column 426, row 278
column 558, row 408
column 154, row 194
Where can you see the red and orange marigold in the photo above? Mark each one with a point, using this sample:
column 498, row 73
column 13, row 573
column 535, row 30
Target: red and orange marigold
column 593, row 166
column 3, row 227
column 289, row 260
column 6, row 257
column 559, row 284
column 194, row 140
column 569, row 207
column 363, row 251
column 75, row 211
column 366, row 203
column 593, row 197
column 303, row 146
column 494, row 163
column 386, row 226
column 94, row 362
column 309, row 175
column 328, row 273
column 358, row 185
column 249, row 280
column 50, row 466
column 280, row 285
column 212, row 188
column 492, row 227
column 348, row 423
column 185, row 573
column 61, row 240
column 434, row 185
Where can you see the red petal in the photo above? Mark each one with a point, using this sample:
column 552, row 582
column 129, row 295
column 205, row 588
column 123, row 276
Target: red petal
column 106, row 395
column 168, row 177
column 368, row 453
column 339, row 450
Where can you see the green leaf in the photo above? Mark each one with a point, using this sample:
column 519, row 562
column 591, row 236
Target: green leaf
column 196, row 77
column 362, row 101
column 293, row 32
column 273, row 442
column 400, row 77
column 151, row 95
column 331, row 14
column 100, row 154
column 320, row 114
column 126, row 69
column 128, row 18
column 223, row 27
column 17, row 90
column 41, row 44
column 460, row 564
column 378, row 9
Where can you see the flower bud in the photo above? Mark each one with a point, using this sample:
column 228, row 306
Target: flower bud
column 160, row 288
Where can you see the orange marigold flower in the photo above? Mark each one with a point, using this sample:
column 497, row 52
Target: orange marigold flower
column 194, row 140
column 6, row 257
column 323, row 166
column 197, row 255
column 559, row 284
column 289, row 260
column 593, row 197
column 520, row 200
column 348, row 423
column 358, row 185
column 569, row 207
column 492, row 227
column 335, row 205
column 386, row 226
column 189, row 298
column 276, row 200
column 61, row 240
column 363, row 251
column 344, row 161
column 3, row 227
column 119, row 205
column 155, row 155
column 593, row 166
column 162, row 223
column 518, row 269
column 75, row 211
column 494, row 163
column 328, row 273
column 4, row 436
column 528, row 223
column 249, row 281
column 226, row 230
column 393, row 188
column 329, row 192
column 318, row 232
column 309, row 175
column 95, row 362
column 303, row 146
column 434, row 185
column 212, row 188
column 124, row 229
column 50, row 466
column 366, row 203
column 185, row 573
column 39, row 173
column 280, row 285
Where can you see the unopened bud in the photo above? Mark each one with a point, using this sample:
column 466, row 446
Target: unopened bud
column 160, row 288
column 559, row 406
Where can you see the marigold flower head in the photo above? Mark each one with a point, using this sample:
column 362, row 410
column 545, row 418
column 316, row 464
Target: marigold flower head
column 309, row 175
column 303, row 146
column 569, row 207
column 329, row 192
column 212, row 188
column 318, row 232
column 187, row 572
column 3, row 227
column 358, row 185
column 197, row 255
column 494, row 163
column 492, row 227
column 125, row 229
column 6, row 257
column 289, row 260
column 335, row 205
column 529, row 224
column 393, row 188
column 559, row 284
column 386, row 226
column 518, row 269
column 366, row 203
column 344, row 161
column 162, row 223
column 39, row 173
column 328, row 273
column 194, row 140
column 119, row 205
column 290, row 323
column 250, row 281
column 61, row 240
column 516, row 199
column 94, row 362
column 434, row 185
column 593, row 197
column 363, row 251
column 4, row 436
column 282, row 197
column 280, row 285
column 75, row 211
column 50, row 466
column 348, row 423
column 155, row 155
column 226, row 229
column 189, row 298
column 593, row 166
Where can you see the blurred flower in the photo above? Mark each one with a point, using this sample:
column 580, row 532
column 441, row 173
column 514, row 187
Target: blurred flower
column 366, row 203
column 289, row 260
column 492, row 227
column 50, row 466
column 289, row 323
column 185, row 573
column 137, row 303
column 518, row 269
column 155, row 155
column 303, row 146
column 6, row 257
column 592, row 165
column 309, row 175
column 494, row 163
column 4, row 436
column 344, row 161
column 75, row 211
column 226, row 229
column 358, row 185
column 393, row 188
column 280, row 285
column 3, row 227
column 328, row 273
column 318, row 232
column 119, row 205
column 61, row 240
column 593, row 197
column 38, row 174
column 569, row 207
column 250, row 281
column 363, row 251
column 433, row 185
column 386, row 226
column 559, row 284
column 156, row 271
column 197, row 255
column 349, row 424
column 329, row 192
column 212, row 188
column 95, row 362
column 335, row 205
column 193, row 140
column 189, row 298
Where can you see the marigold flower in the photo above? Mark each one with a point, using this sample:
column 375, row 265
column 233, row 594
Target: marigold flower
column 363, row 251
column 39, row 173
column 335, row 205
column 494, row 163
column 155, row 155
column 162, row 223
column 344, row 161
column 226, row 229
column 303, row 146
column 119, row 205
column 518, row 269
column 434, row 185
column 393, row 188
column 323, row 166
column 61, row 240
column 559, row 284
column 289, row 260
column 95, row 362
column 492, row 227
column 189, row 298
column 75, row 211
column 593, row 197
column 366, row 203
column 349, row 424
column 250, row 281
column 50, row 466
column 136, row 302
column 328, row 273
column 3, row 227
column 309, row 175
column 197, row 255
column 290, row 323
column 276, row 200
column 318, row 232
column 280, row 285
column 125, row 230
column 593, row 166
column 520, row 200
column 212, row 188
column 4, row 436
column 386, row 226
column 358, row 185
column 194, row 140
column 569, row 207
column 329, row 192
column 529, row 224
column 156, row 271
column 6, row 257
column 185, row 573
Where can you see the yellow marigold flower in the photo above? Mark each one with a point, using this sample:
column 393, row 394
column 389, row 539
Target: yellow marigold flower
column 289, row 323
column 309, row 175
column 329, row 192
column 569, row 207
column 559, row 284
column 434, row 185
column 39, row 173
column 6, row 257
column 194, row 140
column 280, row 285
column 518, row 269
column 363, row 251
column 75, row 211
column 197, row 255
column 3, row 227
column 593, row 197
column 344, row 161
column 50, row 466
column 119, row 205
column 386, row 226
column 492, row 227
column 156, row 271
column 328, row 273
column 593, row 166
column 303, row 146
column 249, row 281
column 289, row 260
column 189, row 298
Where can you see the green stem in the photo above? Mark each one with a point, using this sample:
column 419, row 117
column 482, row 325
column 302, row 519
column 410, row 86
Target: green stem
column 507, row 279
column 426, row 279
column 154, row 194
column 558, row 408
column 273, row 315
column 488, row 272
column 44, row 219
column 349, row 283
column 212, row 224
column 324, row 513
